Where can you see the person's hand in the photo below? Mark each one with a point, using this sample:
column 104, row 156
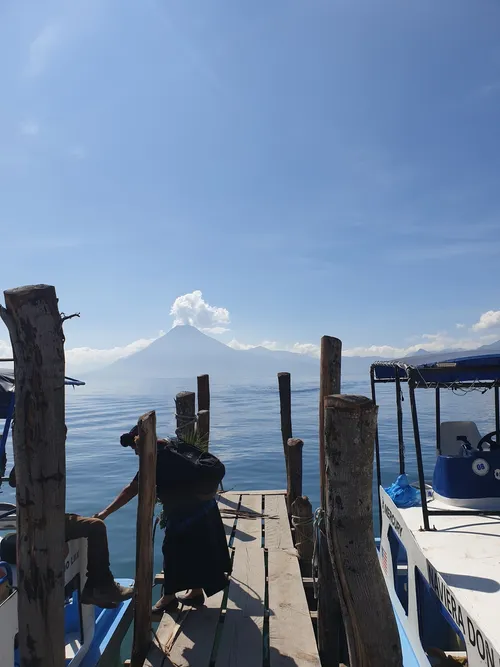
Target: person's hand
column 100, row 515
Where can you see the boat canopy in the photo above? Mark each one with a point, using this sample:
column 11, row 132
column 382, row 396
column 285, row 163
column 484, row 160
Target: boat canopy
column 474, row 369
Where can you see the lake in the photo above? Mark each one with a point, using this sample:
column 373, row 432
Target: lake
column 245, row 434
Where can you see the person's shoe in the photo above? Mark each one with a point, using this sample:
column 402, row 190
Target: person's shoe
column 164, row 607
column 191, row 600
column 108, row 596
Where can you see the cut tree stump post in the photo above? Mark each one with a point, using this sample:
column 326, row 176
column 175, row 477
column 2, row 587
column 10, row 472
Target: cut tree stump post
column 185, row 415
column 294, row 471
column 372, row 634
column 144, row 539
column 39, row 434
column 285, row 391
column 302, row 519
column 204, row 410
column 330, row 628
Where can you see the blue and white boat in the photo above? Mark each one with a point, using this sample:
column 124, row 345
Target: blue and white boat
column 440, row 540
column 92, row 635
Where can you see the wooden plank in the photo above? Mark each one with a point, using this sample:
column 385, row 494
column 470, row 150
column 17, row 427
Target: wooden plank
column 278, row 533
column 241, row 643
column 144, row 539
column 265, row 492
column 291, row 634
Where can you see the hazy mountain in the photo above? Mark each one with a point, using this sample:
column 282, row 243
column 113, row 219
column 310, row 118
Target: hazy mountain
column 185, row 352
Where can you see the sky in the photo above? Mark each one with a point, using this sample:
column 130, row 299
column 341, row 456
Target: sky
column 267, row 171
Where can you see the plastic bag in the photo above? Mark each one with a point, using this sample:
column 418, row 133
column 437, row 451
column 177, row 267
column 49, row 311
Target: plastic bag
column 403, row 494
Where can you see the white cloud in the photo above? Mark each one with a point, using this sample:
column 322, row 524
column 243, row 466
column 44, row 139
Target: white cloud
column 459, row 325
column 5, row 350
column 194, row 310
column 487, row 320
column 236, row 345
column 89, row 358
column 29, row 128
column 42, row 48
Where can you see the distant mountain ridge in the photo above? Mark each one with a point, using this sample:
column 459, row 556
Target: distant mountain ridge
column 185, row 352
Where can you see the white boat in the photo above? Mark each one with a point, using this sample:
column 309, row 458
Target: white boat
column 440, row 541
column 92, row 635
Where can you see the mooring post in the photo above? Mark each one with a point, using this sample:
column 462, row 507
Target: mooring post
column 185, row 415
column 302, row 520
column 330, row 629
column 39, row 434
column 203, row 429
column 372, row 634
column 285, row 391
column 144, row 539
column 294, row 471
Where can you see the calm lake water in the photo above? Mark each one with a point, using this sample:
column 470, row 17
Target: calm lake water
column 245, row 434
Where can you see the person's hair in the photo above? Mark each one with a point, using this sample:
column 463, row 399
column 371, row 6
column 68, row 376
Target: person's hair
column 128, row 439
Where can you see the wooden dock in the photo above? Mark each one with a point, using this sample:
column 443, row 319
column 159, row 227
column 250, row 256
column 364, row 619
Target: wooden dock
column 262, row 619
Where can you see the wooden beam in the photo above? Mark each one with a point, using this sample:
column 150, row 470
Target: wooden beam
column 285, row 392
column 203, row 390
column 144, row 539
column 39, row 434
column 302, row 519
column 329, row 611
column 294, row 470
column 185, row 415
column 372, row 633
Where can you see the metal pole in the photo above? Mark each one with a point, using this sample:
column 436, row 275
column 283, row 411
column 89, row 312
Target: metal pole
column 400, row 424
column 438, row 420
column 418, row 449
column 377, row 450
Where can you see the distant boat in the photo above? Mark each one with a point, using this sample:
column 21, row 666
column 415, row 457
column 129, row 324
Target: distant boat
column 92, row 635
column 440, row 543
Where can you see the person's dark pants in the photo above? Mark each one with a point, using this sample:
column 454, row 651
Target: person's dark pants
column 94, row 530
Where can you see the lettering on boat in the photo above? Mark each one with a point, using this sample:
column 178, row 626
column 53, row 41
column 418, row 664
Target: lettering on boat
column 392, row 518
column 71, row 560
column 474, row 637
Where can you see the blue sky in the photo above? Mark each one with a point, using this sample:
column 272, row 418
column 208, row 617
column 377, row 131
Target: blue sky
column 312, row 167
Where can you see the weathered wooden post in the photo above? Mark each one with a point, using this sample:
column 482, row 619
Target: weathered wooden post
column 204, row 410
column 285, row 391
column 329, row 611
column 372, row 634
column 294, row 471
column 302, row 520
column 144, row 539
column 39, row 434
column 185, row 415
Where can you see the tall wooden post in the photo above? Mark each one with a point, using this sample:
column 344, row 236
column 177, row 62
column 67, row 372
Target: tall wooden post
column 285, row 391
column 144, row 539
column 39, row 434
column 185, row 415
column 294, row 471
column 204, row 410
column 330, row 627
column 372, row 634
column 302, row 520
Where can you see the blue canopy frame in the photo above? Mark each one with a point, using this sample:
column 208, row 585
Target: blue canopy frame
column 480, row 371
column 7, row 406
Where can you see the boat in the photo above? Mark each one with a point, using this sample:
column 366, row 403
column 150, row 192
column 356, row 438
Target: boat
column 92, row 635
column 440, row 540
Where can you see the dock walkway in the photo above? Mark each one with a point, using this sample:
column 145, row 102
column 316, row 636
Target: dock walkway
column 262, row 619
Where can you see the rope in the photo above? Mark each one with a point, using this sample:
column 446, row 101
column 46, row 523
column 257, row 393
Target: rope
column 318, row 533
column 300, row 521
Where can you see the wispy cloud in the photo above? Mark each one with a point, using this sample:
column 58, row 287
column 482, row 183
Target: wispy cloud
column 29, row 128
column 42, row 48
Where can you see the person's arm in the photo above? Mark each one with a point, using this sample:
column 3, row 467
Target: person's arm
column 124, row 497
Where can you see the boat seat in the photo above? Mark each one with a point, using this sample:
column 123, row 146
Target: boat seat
column 449, row 431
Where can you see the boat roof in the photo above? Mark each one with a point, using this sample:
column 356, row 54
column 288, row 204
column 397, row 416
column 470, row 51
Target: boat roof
column 7, row 381
column 448, row 371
